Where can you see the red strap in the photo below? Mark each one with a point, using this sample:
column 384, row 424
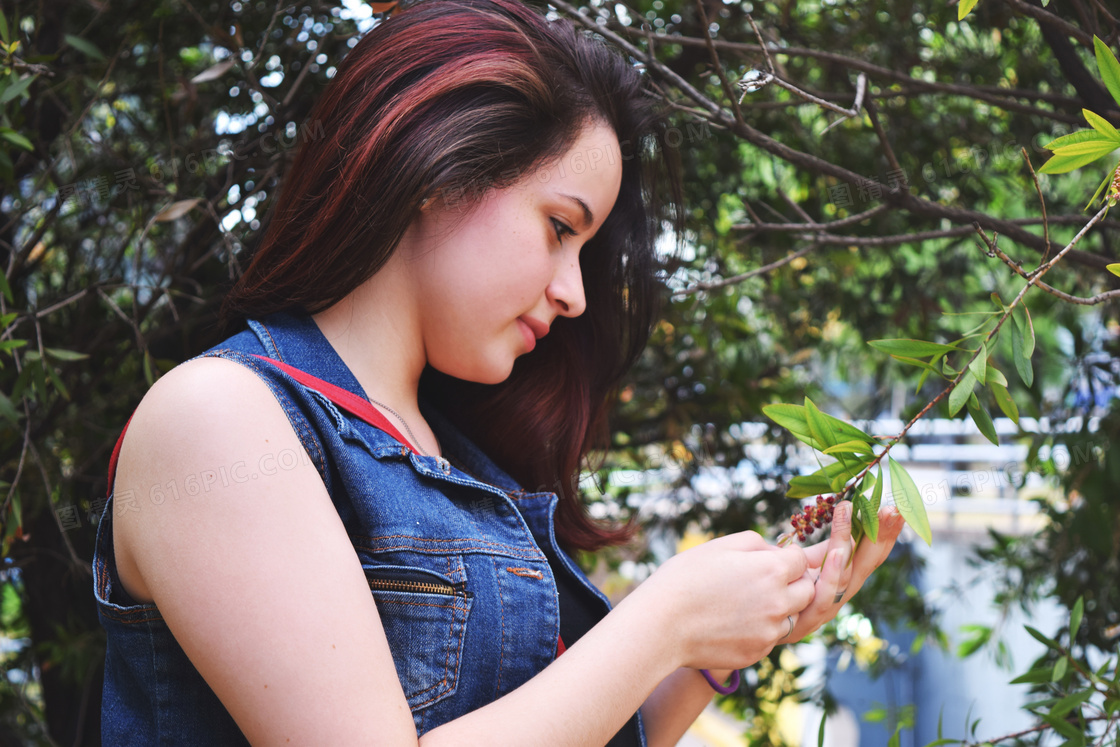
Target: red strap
column 348, row 401
column 113, row 459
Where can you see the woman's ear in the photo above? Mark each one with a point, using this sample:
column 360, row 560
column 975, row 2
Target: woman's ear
column 427, row 203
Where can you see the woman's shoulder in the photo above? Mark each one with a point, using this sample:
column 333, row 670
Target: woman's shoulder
column 204, row 392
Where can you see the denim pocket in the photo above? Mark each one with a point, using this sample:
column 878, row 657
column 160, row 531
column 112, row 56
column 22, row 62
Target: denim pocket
column 424, row 616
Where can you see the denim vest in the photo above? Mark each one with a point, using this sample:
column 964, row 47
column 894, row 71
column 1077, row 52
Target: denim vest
column 456, row 554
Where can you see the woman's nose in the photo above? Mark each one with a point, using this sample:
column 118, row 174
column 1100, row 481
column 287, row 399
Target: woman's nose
column 566, row 288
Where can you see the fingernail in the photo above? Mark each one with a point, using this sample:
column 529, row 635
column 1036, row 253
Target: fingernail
column 840, row 558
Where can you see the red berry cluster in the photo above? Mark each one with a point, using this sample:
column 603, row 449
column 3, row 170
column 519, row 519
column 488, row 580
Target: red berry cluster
column 813, row 517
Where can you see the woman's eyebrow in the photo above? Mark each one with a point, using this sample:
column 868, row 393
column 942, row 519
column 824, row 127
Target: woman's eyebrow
column 588, row 218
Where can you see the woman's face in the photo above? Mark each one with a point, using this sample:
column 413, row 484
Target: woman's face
column 491, row 278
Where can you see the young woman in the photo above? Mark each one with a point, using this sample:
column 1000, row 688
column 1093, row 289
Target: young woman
column 350, row 523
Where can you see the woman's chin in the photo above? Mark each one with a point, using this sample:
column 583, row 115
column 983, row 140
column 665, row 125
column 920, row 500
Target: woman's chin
column 494, row 374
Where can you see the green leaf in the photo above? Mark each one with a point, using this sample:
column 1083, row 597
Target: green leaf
column 857, row 532
column 849, row 447
column 1022, row 361
column 8, row 345
column 1022, row 319
column 1102, row 146
column 1049, row 642
column 4, row 28
column 820, row 730
column 911, row 348
column 53, row 375
column 877, row 493
column 1062, row 727
column 979, row 365
column 964, row 8
column 995, row 375
column 868, row 518
column 1108, row 67
column 1003, row 399
column 1075, row 618
column 818, row 426
column 1101, row 125
column 7, row 411
column 923, row 377
column 909, row 501
column 85, row 47
column 1069, row 702
column 794, row 420
column 1035, row 676
column 980, row 634
column 65, row 355
column 16, row 89
column 920, row 364
column 1080, row 136
column 17, row 139
column 983, row 420
column 960, row 394
column 1065, row 163
column 807, row 486
column 1100, row 188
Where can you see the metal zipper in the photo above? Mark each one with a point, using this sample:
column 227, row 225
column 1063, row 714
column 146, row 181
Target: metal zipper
column 423, row 587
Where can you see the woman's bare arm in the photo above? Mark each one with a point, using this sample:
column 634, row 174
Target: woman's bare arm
column 680, row 698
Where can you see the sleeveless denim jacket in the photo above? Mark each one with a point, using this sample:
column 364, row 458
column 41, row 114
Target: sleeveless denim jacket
column 456, row 554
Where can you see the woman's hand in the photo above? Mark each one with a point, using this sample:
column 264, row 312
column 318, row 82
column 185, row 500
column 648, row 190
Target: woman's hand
column 725, row 604
column 837, row 580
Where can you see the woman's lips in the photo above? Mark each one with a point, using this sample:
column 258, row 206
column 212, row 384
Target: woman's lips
column 527, row 333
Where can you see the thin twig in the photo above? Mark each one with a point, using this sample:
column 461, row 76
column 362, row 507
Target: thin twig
column 1041, row 201
column 723, row 81
column 740, row 278
column 264, row 37
column 718, row 116
column 79, row 564
column 995, row 251
column 762, row 45
column 1045, row 16
column 840, row 223
column 980, row 93
column 19, row 469
column 873, row 115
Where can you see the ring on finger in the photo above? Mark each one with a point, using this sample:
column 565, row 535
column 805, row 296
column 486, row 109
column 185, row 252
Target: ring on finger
column 839, row 595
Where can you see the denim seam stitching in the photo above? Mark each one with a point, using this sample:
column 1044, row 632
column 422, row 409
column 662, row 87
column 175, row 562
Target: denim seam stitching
column 272, row 339
column 449, row 657
column 502, row 617
column 480, row 545
column 303, row 429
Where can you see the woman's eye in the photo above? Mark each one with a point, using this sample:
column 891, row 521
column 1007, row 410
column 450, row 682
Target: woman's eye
column 562, row 229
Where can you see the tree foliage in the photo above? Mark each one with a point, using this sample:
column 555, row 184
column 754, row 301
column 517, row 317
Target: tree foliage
column 840, row 158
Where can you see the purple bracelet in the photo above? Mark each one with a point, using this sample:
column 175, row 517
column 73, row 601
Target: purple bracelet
column 722, row 689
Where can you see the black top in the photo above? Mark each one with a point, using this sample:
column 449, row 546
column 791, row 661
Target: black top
column 579, row 611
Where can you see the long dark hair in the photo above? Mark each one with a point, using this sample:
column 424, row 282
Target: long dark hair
column 448, row 99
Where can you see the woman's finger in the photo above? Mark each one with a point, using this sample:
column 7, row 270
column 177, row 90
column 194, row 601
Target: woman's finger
column 870, row 555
